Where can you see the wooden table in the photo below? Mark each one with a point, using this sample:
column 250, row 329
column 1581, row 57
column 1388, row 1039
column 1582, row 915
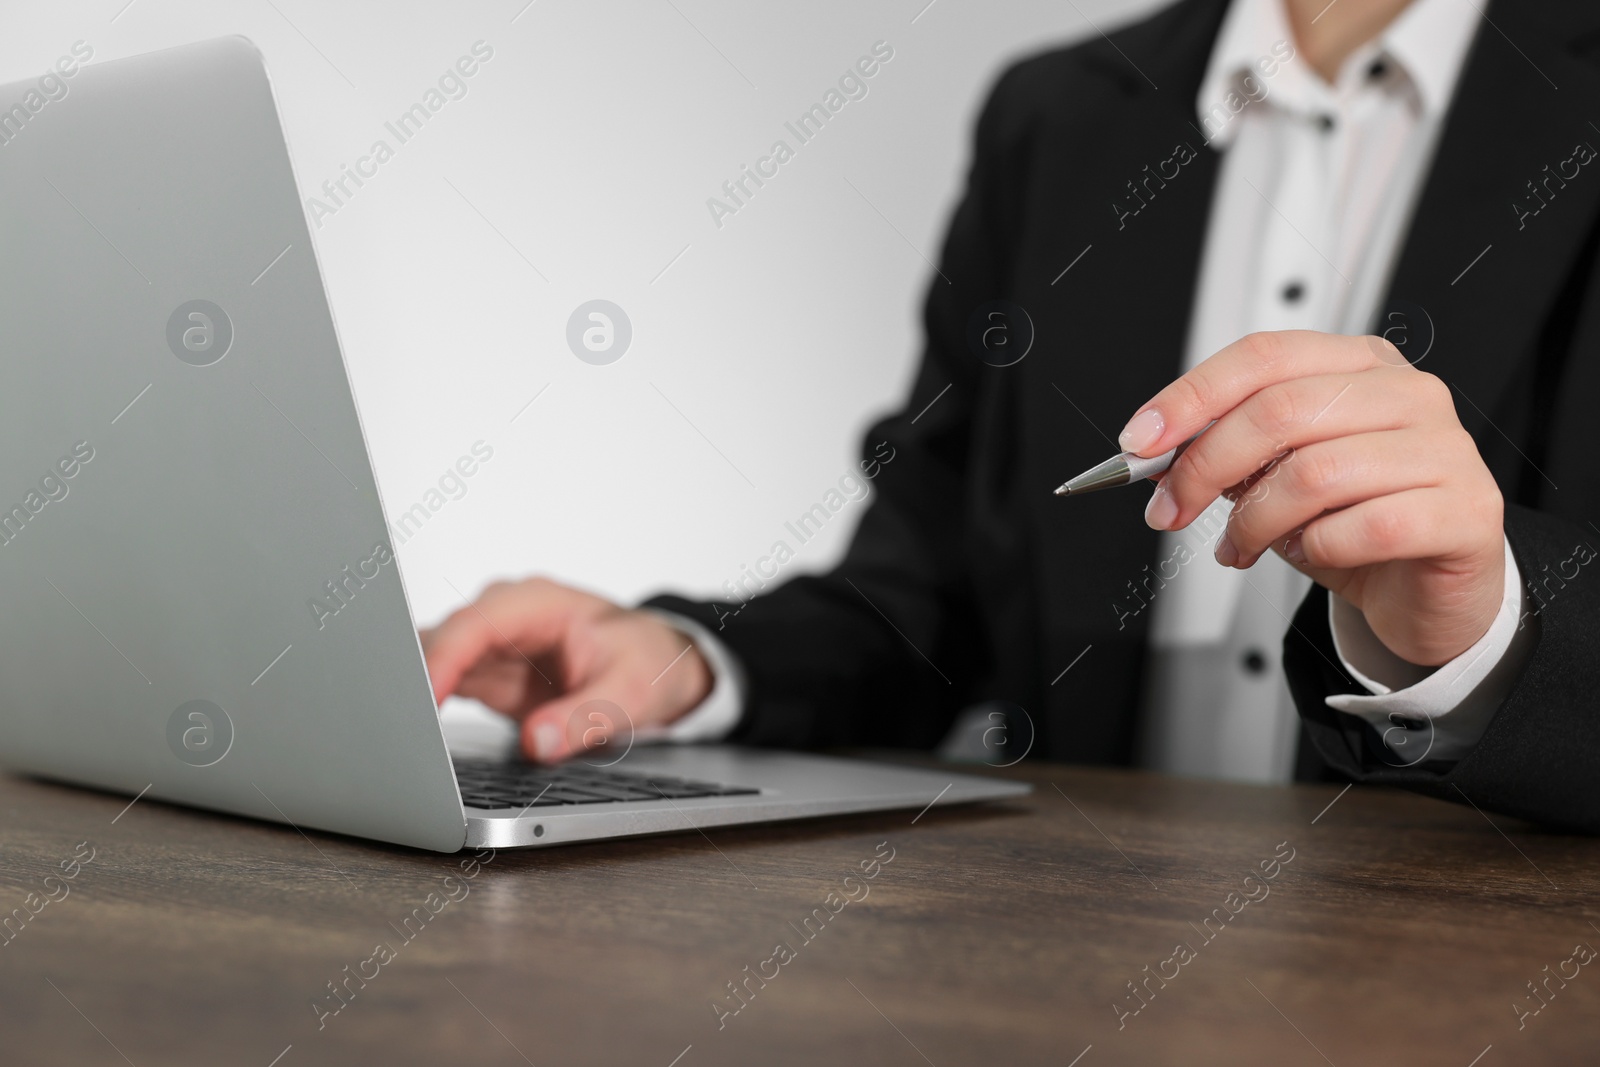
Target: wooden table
column 1402, row 931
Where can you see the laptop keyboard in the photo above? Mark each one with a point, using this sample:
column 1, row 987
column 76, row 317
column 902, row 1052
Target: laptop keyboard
column 498, row 785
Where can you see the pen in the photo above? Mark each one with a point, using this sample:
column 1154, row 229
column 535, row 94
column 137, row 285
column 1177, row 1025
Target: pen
column 1122, row 469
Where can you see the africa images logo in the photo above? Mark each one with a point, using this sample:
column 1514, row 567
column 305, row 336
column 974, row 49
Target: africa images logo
column 199, row 333
column 599, row 332
column 1000, row 333
column 199, row 733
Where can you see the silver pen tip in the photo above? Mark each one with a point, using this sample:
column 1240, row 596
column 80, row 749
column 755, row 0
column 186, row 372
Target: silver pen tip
column 1113, row 472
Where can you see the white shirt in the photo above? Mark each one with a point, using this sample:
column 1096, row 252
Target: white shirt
column 1316, row 187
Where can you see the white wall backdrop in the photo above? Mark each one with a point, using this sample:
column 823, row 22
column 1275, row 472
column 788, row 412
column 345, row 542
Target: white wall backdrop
column 576, row 166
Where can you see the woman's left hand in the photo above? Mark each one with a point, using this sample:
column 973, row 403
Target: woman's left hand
column 1351, row 464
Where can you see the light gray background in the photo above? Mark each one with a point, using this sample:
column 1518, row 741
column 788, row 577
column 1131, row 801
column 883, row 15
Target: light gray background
column 585, row 150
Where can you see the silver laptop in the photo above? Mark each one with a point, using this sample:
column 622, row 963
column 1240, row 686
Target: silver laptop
column 183, row 476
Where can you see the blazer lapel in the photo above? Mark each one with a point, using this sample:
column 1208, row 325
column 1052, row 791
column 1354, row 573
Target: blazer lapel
column 1107, row 270
column 1513, row 192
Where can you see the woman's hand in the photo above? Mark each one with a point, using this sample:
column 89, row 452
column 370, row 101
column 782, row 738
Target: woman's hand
column 1349, row 463
column 564, row 663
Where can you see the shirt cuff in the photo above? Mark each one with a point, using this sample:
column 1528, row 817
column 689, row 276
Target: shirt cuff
column 1433, row 713
column 714, row 718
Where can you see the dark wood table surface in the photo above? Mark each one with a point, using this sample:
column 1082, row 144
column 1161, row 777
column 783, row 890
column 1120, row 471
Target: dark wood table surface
column 1402, row 931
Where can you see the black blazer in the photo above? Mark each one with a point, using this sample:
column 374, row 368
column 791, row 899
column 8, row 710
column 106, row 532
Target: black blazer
column 967, row 580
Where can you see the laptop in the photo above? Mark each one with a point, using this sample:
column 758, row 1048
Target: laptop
column 183, row 477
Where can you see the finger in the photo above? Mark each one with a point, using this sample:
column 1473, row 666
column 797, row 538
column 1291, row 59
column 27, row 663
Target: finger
column 510, row 686
column 527, row 619
column 1224, row 380
column 1292, row 415
column 587, row 718
column 1464, row 576
column 1414, row 524
column 1325, row 477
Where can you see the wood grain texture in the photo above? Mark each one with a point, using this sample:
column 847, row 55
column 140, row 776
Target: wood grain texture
column 1403, row 931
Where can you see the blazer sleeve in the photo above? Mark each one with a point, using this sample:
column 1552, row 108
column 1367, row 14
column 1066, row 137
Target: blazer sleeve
column 1539, row 759
column 886, row 648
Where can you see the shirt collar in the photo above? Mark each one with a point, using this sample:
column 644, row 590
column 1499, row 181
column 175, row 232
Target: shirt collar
column 1429, row 41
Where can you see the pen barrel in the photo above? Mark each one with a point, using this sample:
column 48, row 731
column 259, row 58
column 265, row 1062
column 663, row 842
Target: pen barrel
column 1140, row 468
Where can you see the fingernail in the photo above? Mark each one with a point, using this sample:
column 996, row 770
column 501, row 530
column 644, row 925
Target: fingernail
column 546, row 741
column 1227, row 554
column 1142, row 431
column 1294, row 551
column 1162, row 510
